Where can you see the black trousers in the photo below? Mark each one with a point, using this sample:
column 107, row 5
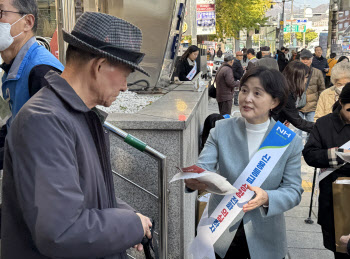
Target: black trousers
column 239, row 246
column 225, row 107
column 341, row 256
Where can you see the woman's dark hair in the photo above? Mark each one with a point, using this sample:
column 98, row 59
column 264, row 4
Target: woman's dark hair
column 209, row 123
column 295, row 73
column 189, row 51
column 342, row 58
column 333, row 55
column 273, row 83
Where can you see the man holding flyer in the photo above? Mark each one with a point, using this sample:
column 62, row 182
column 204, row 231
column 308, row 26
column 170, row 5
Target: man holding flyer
column 260, row 158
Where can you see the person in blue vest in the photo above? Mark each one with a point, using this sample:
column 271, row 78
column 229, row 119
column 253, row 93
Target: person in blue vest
column 25, row 61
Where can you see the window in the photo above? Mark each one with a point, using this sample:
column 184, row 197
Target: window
column 341, row 14
column 346, row 13
column 346, row 24
column 340, row 26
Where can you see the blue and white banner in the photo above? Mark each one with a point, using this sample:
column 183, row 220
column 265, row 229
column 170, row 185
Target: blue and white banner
column 193, row 72
column 260, row 166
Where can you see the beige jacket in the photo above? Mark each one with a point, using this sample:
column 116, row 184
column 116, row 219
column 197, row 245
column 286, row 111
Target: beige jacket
column 325, row 103
column 316, row 86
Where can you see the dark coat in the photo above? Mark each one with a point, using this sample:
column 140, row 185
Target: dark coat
column 225, row 83
column 183, row 68
column 329, row 132
column 237, row 70
column 282, row 61
column 320, row 63
column 58, row 194
column 291, row 114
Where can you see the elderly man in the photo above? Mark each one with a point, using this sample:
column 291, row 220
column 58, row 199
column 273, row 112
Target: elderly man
column 25, row 62
column 266, row 59
column 225, row 85
column 314, row 88
column 252, row 58
column 58, row 193
column 320, row 62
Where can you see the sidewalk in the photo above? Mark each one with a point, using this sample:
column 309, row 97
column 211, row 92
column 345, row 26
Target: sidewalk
column 304, row 240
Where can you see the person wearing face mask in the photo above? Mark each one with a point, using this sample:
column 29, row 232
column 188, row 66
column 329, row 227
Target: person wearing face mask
column 329, row 133
column 25, row 62
column 340, row 75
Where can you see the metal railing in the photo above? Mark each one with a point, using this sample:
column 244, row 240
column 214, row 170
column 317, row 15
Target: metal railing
column 162, row 183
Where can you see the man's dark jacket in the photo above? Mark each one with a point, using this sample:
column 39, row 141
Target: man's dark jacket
column 237, row 69
column 225, row 83
column 320, row 63
column 58, row 195
column 282, row 61
column 329, row 132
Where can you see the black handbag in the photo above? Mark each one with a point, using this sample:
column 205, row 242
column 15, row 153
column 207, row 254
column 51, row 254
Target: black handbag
column 212, row 90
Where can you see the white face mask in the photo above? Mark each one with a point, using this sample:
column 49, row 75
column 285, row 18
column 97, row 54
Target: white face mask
column 5, row 35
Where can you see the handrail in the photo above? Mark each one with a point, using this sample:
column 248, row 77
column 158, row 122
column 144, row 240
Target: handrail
column 162, row 183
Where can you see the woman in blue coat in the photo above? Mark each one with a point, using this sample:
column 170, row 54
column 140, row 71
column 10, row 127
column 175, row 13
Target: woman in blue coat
column 259, row 231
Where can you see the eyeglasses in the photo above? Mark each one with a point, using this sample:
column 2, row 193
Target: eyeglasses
column 3, row 11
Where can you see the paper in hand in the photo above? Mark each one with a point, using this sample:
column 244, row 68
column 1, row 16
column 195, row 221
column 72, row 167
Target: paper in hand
column 216, row 183
column 344, row 156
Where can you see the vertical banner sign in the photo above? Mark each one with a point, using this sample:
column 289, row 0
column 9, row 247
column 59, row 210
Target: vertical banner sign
column 206, row 18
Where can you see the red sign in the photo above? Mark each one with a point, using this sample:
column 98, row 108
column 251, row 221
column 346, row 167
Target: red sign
column 205, row 7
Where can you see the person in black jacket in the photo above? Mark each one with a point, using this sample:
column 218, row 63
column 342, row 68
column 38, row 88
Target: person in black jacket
column 186, row 64
column 329, row 133
column 319, row 61
column 296, row 74
column 238, row 72
column 282, row 60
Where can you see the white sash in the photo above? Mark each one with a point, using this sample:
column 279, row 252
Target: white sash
column 193, row 72
column 260, row 166
column 324, row 172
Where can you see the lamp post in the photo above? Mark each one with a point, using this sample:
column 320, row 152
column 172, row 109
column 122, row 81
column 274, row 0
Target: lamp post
column 282, row 27
column 334, row 25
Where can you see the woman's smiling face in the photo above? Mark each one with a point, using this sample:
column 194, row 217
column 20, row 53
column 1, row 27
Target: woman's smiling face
column 254, row 102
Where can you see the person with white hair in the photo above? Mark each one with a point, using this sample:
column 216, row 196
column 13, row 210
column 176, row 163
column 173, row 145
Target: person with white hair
column 340, row 75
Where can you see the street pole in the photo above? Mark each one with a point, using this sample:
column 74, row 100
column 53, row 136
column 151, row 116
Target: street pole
column 334, row 25
column 282, row 27
column 291, row 26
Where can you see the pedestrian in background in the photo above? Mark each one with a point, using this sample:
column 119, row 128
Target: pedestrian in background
column 266, row 59
column 187, row 67
column 245, row 59
column 331, row 62
column 282, row 59
column 225, row 85
column 340, row 77
column 252, row 58
column 329, row 133
column 296, row 74
column 314, row 90
column 320, row 62
column 219, row 54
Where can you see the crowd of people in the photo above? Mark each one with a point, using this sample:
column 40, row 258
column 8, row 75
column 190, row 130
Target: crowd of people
column 58, row 198
column 292, row 91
